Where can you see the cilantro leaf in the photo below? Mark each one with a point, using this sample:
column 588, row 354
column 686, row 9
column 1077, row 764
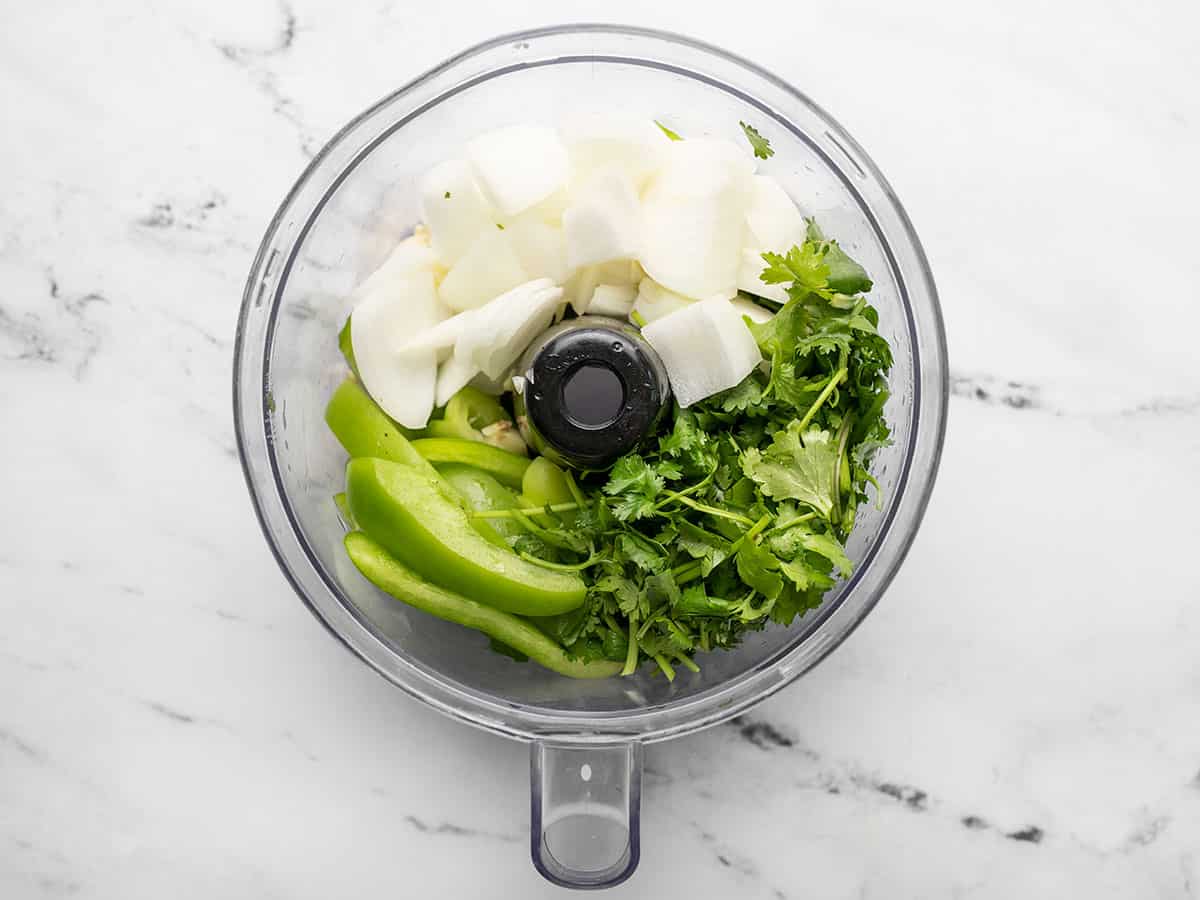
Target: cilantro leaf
column 797, row 467
column 803, row 266
column 668, row 471
column 660, row 590
column 688, row 444
column 762, row 147
column 711, row 549
column 622, row 590
column 828, row 546
column 798, row 572
column 640, row 551
column 793, row 602
column 636, row 485
column 778, row 336
column 845, row 275
column 631, row 473
column 792, row 389
column 569, row 627
column 758, row 568
column 746, row 396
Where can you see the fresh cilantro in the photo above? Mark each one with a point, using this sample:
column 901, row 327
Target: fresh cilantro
column 828, row 547
column 711, row 549
column 759, row 569
column 792, row 602
column 668, row 470
column 640, row 551
column 796, row 467
column 636, row 486
column 762, row 147
column 804, row 267
column 660, row 591
column 746, row 397
column 623, row 591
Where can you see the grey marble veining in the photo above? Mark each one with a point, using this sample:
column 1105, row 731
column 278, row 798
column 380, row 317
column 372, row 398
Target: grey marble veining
column 1020, row 717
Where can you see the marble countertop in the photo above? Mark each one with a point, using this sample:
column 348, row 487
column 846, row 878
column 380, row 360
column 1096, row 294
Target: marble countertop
column 1020, row 717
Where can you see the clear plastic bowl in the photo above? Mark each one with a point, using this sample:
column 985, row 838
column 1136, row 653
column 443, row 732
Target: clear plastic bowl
column 353, row 203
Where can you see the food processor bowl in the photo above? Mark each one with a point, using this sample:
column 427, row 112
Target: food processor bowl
column 357, row 198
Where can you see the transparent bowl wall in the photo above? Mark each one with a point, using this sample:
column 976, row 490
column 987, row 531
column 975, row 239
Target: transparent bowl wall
column 359, row 197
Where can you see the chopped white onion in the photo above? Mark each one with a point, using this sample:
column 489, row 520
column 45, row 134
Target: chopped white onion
column 519, row 166
column 706, row 349
column 489, row 268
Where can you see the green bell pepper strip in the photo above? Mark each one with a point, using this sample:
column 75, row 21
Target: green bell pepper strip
column 419, row 520
column 507, row 468
column 545, row 484
column 475, row 416
column 366, row 430
column 392, row 576
column 506, row 438
column 346, row 345
column 484, row 493
column 472, row 409
column 440, row 428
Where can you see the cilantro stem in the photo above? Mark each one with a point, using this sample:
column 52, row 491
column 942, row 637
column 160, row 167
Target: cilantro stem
column 699, row 485
column 527, row 511
column 822, row 397
column 684, row 567
column 795, row 520
column 561, row 567
column 746, row 610
column 665, row 666
column 693, row 572
column 631, row 655
column 545, row 534
column 612, row 623
column 574, row 489
column 711, row 510
column 687, row 662
column 843, row 438
column 755, row 530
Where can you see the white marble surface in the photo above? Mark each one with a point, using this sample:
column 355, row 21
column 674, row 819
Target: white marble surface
column 1019, row 718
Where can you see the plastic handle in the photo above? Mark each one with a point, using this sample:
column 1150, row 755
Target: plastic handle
column 584, row 822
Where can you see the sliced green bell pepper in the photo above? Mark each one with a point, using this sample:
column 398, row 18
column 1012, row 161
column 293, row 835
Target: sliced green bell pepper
column 390, row 575
column 545, row 483
column 417, row 518
column 482, row 493
column 475, row 416
column 507, row 468
column 366, row 430
column 346, row 345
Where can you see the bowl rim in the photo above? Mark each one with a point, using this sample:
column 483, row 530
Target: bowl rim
column 723, row 701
